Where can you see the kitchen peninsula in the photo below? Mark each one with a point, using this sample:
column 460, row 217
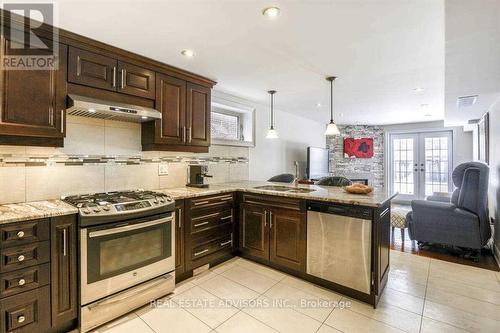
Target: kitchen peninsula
column 318, row 233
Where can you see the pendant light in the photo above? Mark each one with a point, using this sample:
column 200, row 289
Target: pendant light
column 331, row 128
column 272, row 134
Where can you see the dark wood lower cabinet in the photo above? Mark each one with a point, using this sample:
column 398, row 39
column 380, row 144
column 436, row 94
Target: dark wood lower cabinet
column 288, row 238
column 179, row 238
column 276, row 235
column 254, row 233
column 63, row 262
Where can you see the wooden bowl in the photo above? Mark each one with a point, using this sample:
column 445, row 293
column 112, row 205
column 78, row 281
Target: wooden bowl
column 358, row 189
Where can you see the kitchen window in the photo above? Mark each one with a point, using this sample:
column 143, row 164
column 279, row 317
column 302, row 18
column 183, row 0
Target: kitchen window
column 232, row 123
column 226, row 126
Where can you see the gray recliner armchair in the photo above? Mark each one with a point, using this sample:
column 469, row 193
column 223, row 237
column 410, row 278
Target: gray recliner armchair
column 460, row 221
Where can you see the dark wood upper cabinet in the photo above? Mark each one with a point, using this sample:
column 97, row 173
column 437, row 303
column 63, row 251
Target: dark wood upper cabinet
column 254, row 231
column 63, row 262
column 288, row 238
column 92, row 69
column 171, row 102
column 103, row 72
column 135, row 80
column 33, row 102
column 179, row 237
column 198, row 115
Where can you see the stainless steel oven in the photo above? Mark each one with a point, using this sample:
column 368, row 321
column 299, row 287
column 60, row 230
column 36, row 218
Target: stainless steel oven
column 120, row 255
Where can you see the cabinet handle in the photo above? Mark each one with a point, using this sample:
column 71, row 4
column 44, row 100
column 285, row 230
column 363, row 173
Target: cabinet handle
column 62, row 120
column 184, row 134
column 20, row 258
column 270, row 220
column 179, row 218
column 21, row 319
column 197, row 203
column 21, row 282
column 122, row 83
column 51, row 117
column 225, row 243
column 201, row 252
column 200, row 224
column 225, row 218
column 114, row 76
column 64, row 243
column 190, row 136
column 265, row 218
column 20, row 234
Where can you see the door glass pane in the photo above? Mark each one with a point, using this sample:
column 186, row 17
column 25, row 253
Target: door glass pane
column 436, row 165
column 403, row 161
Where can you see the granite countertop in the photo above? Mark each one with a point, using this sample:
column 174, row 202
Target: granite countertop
column 321, row 193
column 34, row 210
column 39, row 209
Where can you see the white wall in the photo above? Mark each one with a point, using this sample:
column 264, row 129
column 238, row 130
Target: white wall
column 296, row 133
column 494, row 190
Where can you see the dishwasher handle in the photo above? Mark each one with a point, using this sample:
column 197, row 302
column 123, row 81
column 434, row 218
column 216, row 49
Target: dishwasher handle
column 344, row 210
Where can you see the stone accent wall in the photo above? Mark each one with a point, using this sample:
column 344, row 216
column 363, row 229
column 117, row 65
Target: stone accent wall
column 371, row 168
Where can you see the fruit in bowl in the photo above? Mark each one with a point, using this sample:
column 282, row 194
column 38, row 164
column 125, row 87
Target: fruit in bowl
column 358, row 189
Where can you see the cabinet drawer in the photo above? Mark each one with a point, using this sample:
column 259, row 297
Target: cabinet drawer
column 271, row 201
column 27, row 312
column 212, row 220
column 25, row 232
column 212, row 202
column 23, row 256
column 23, row 280
column 224, row 242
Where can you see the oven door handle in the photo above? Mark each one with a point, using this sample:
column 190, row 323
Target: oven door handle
column 112, row 231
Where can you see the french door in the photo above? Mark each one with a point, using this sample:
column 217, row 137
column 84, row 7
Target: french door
column 420, row 164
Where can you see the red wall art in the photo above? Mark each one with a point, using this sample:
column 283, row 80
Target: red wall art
column 358, row 148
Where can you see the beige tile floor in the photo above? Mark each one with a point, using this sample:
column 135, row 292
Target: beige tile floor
column 422, row 295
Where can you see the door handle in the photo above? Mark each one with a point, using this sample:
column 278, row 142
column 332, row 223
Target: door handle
column 114, row 76
column 122, row 83
column 65, row 243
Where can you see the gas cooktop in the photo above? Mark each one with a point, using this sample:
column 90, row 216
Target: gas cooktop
column 117, row 205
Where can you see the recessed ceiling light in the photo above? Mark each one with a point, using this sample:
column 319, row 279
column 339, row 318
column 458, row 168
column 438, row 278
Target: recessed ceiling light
column 271, row 12
column 318, row 105
column 418, row 90
column 188, row 53
column 427, row 115
column 144, row 117
column 92, row 110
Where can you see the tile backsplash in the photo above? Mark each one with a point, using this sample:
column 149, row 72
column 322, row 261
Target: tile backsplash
column 101, row 155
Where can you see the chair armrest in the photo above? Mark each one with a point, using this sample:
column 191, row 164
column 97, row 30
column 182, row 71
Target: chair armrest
column 439, row 197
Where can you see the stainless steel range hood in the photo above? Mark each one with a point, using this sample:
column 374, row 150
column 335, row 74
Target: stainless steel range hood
column 94, row 108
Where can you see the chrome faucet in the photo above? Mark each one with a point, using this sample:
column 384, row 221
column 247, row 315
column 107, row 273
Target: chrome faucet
column 296, row 180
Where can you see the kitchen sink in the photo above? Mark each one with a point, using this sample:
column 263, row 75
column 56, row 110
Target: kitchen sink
column 283, row 189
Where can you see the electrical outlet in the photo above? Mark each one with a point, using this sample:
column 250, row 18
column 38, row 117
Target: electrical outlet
column 162, row 169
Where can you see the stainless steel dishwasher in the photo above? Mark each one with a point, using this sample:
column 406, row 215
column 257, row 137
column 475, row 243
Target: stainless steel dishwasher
column 339, row 244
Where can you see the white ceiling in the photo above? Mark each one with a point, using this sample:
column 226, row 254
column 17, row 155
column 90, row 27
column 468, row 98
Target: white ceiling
column 472, row 57
column 380, row 50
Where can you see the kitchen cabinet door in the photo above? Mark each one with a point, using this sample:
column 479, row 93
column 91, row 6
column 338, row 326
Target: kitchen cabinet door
column 63, row 249
column 33, row 102
column 198, row 115
column 135, row 80
column 254, row 231
column 288, row 238
column 91, row 69
column 179, row 237
column 171, row 102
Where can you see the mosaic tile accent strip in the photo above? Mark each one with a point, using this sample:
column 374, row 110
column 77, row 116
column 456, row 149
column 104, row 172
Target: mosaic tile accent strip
column 69, row 160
